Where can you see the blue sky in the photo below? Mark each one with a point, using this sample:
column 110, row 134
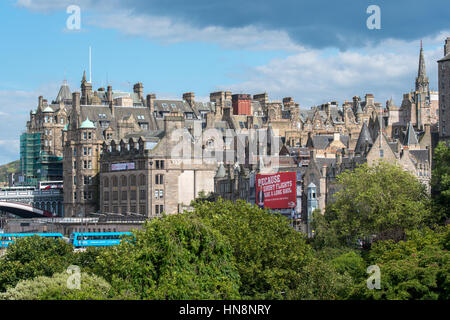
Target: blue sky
column 314, row 51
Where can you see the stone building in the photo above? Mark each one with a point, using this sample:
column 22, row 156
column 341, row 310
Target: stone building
column 444, row 93
column 140, row 174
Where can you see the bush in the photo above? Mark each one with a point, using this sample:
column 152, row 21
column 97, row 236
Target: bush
column 55, row 288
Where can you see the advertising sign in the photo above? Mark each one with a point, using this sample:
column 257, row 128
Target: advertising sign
column 276, row 191
column 122, row 166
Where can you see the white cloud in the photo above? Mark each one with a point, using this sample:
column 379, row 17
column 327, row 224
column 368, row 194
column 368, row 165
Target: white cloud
column 167, row 31
column 313, row 77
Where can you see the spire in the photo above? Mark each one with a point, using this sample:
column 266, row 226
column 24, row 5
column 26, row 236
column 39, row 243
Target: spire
column 364, row 139
column 422, row 79
column 411, row 137
column 84, row 77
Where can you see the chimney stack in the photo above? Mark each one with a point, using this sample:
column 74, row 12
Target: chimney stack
column 447, row 46
column 151, row 102
column 189, row 97
column 138, row 88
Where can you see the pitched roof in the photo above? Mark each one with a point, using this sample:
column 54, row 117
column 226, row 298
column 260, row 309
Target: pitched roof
column 64, row 93
column 364, row 139
column 220, row 172
column 411, row 136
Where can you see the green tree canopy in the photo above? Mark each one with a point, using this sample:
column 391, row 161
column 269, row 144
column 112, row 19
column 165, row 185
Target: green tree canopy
column 382, row 200
column 176, row 257
column 273, row 260
column 34, row 256
column 440, row 182
column 418, row 268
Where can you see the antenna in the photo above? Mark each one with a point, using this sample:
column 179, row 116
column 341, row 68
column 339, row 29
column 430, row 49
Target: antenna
column 90, row 79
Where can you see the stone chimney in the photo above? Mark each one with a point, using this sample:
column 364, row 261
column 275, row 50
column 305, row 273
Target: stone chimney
column 109, row 95
column 189, row 97
column 151, row 102
column 139, row 89
column 447, row 46
column 40, row 102
column 369, row 99
column 75, row 109
column 263, row 98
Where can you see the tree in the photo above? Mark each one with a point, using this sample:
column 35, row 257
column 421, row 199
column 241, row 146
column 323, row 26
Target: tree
column 55, row 287
column 418, row 268
column 175, row 257
column 382, row 200
column 440, row 182
column 273, row 260
column 34, row 256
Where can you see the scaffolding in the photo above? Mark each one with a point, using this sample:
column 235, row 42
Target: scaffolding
column 35, row 164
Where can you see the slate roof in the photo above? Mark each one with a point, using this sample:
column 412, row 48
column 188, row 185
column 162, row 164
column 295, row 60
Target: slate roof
column 411, row 136
column 64, row 93
column 419, row 155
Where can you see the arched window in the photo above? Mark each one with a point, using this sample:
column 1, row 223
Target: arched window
column 106, row 182
column 132, row 180
column 123, row 181
column 115, row 182
column 142, row 180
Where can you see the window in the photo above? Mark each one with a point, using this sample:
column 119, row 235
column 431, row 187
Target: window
column 159, row 179
column 75, row 195
column 142, row 195
column 75, row 180
column 106, row 196
column 74, row 151
column 115, row 195
column 133, row 195
column 84, row 135
column 123, row 181
column 142, row 180
column 132, row 180
column 159, row 208
column 89, row 164
column 114, row 179
column 143, row 125
column 106, row 182
column 124, row 195
column 74, row 164
column 159, row 164
column 161, row 194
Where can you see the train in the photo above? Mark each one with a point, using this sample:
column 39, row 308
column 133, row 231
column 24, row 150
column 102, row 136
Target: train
column 77, row 239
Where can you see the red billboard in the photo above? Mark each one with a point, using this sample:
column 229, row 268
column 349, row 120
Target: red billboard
column 276, row 191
